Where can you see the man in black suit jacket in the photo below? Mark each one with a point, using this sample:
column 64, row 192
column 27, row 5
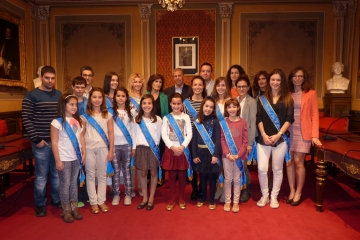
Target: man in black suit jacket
column 180, row 86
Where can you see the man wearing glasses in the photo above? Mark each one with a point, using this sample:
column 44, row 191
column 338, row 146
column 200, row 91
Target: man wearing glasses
column 87, row 73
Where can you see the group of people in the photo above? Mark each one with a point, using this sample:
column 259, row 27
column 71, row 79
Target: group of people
column 206, row 133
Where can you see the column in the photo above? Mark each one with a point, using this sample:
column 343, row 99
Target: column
column 145, row 13
column 350, row 20
column 41, row 35
column 339, row 10
column 226, row 14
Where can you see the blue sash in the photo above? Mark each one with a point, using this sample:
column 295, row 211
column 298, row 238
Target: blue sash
column 75, row 144
column 100, row 131
column 231, row 144
column 108, row 103
column 253, row 154
column 154, row 148
column 211, row 146
column 180, row 137
column 126, row 133
column 191, row 109
column 274, row 118
column 135, row 103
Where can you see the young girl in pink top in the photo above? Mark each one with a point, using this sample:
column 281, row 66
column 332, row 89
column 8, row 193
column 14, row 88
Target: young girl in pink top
column 239, row 133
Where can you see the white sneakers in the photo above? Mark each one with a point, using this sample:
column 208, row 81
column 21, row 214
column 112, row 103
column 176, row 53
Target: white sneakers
column 115, row 201
column 274, row 203
column 263, row 201
column 132, row 194
column 127, row 200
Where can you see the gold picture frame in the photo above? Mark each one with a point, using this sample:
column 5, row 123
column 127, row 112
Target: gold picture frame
column 12, row 50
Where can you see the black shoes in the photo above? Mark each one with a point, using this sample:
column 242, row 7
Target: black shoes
column 194, row 195
column 297, row 203
column 289, row 201
column 244, row 196
column 142, row 205
column 150, row 206
column 55, row 204
column 40, row 211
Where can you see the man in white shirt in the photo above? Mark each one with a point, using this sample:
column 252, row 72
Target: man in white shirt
column 205, row 73
column 180, row 86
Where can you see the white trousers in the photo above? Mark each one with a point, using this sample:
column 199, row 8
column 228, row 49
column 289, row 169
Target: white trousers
column 96, row 166
column 232, row 173
column 278, row 156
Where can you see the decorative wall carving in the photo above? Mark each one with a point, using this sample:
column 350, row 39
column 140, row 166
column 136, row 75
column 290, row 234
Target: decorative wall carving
column 40, row 12
column 340, row 9
column 352, row 7
column 226, row 10
column 145, row 10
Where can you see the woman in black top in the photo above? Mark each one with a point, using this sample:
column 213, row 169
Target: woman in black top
column 271, row 139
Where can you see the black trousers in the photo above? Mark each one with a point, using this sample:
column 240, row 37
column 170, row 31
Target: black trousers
column 212, row 178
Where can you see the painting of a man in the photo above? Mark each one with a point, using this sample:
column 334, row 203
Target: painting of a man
column 9, row 51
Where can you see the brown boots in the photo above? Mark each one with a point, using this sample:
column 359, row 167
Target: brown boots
column 75, row 211
column 66, row 214
column 71, row 212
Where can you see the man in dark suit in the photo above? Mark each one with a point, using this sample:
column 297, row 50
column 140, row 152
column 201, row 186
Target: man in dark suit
column 180, row 86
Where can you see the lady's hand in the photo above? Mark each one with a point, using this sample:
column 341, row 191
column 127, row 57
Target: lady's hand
column 274, row 138
column 214, row 160
column 249, row 149
column 267, row 140
column 110, row 156
column 315, row 141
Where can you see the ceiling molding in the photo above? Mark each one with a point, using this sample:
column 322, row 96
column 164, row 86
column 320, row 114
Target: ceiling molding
column 64, row 3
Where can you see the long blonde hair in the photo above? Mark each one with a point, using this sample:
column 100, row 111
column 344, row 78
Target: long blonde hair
column 131, row 82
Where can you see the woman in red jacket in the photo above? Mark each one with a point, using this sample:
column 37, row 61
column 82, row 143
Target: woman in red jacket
column 304, row 132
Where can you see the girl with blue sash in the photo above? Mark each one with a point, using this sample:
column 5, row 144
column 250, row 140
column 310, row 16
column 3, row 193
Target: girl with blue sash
column 123, row 144
column 111, row 82
column 147, row 129
column 192, row 107
column 206, row 150
column 68, row 146
column 234, row 142
column 136, row 91
column 220, row 94
column 176, row 132
column 248, row 113
column 274, row 116
column 99, row 139
column 155, row 87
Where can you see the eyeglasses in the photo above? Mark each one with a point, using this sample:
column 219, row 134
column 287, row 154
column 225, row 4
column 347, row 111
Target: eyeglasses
column 242, row 87
column 87, row 75
column 298, row 76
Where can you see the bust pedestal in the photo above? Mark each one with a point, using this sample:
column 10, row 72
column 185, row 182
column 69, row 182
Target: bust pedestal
column 337, row 104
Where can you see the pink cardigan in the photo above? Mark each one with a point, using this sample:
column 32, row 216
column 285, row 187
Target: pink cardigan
column 309, row 115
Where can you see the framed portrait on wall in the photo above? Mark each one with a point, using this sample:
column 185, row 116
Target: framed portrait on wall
column 186, row 54
column 12, row 53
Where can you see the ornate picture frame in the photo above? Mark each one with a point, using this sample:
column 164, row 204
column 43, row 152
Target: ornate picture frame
column 12, row 50
column 186, row 54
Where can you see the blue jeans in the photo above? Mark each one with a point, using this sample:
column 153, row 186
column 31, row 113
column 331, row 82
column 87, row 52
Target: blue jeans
column 45, row 164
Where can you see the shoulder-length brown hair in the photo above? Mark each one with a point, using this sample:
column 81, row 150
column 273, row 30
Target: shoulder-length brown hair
column 255, row 85
column 306, row 85
column 228, row 103
column 152, row 79
column 215, row 94
column 89, row 106
column 127, row 102
column 153, row 117
column 201, row 115
column 61, row 108
column 284, row 88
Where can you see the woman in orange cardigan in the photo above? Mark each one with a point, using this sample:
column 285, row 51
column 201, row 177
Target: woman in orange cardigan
column 304, row 132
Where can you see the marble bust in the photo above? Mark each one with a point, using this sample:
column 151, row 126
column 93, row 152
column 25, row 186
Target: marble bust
column 338, row 83
column 37, row 81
